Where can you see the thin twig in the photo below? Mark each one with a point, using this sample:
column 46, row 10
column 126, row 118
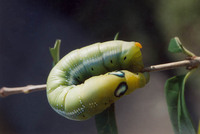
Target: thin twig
column 191, row 63
column 6, row 91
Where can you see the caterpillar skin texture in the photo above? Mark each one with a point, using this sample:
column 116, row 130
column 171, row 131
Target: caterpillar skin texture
column 85, row 82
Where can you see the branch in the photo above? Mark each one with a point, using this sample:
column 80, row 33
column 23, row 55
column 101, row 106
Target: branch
column 189, row 64
column 6, row 91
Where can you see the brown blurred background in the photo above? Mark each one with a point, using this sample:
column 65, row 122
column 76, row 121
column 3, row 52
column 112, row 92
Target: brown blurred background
column 29, row 28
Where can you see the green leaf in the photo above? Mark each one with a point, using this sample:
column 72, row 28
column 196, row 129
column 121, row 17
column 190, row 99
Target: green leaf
column 116, row 36
column 55, row 52
column 175, row 97
column 175, row 45
column 105, row 121
column 199, row 128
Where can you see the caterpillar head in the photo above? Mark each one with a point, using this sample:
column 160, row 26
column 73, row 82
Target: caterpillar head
column 131, row 56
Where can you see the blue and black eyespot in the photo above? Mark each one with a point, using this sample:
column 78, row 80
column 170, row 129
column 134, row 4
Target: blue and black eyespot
column 117, row 73
column 121, row 89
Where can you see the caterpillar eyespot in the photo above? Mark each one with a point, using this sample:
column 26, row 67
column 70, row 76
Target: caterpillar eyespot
column 85, row 81
column 117, row 73
column 121, row 89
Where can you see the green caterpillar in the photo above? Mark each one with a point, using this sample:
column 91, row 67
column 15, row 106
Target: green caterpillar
column 86, row 81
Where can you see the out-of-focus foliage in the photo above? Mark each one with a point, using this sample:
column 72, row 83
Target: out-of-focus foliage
column 175, row 94
column 180, row 18
column 106, row 122
column 175, row 97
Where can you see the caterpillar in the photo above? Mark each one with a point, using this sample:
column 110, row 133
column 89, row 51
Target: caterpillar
column 88, row 80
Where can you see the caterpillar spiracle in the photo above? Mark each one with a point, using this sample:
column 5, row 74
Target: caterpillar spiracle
column 88, row 80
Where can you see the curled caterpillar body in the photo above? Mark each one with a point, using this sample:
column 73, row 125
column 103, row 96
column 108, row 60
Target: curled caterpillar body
column 85, row 82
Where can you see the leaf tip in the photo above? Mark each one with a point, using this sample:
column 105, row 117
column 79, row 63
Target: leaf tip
column 116, row 36
column 55, row 51
column 175, row 45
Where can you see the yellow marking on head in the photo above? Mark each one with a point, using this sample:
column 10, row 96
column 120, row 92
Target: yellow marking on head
column 138, row 44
